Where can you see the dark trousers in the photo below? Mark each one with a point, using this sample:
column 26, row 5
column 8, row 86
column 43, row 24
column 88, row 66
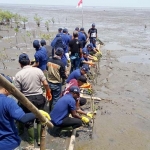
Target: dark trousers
column 75, row 63
column 56, row 92
column 74, row 122
column 39, row 102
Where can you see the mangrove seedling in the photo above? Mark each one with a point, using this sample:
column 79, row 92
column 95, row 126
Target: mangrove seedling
column 24, row 20
column 38, row 20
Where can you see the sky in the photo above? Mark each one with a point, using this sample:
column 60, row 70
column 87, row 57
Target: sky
column 113, row 3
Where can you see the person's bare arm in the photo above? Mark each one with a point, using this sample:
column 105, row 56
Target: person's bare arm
column 36, row 64
column 78, row 110
column 74, row 114
column 45, row 84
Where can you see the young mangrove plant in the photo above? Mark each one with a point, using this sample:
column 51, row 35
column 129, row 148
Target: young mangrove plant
column 37, row 19
column 24, row 20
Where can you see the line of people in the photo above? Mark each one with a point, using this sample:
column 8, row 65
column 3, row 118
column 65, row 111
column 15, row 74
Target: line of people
column 49, row 68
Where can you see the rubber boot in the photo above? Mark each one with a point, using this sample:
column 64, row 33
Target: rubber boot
column 31, row 135
column 20, row 127
column 38, row 133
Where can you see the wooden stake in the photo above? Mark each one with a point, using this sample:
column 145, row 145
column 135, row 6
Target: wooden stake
column 72, row 140
column 42, row 140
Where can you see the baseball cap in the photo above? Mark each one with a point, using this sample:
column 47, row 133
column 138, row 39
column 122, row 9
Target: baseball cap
column 93, row 24
column 85, row 68
column 43, row 42
column 36, row 44
column 82, row 79
column 23, row 56
column 59, row 51
column 65, row 30
column 84, row 52
column 7, row 77
column 77, row 28
column 90, row 46
column 60, row 29
column 74, row 89
column 81, row 29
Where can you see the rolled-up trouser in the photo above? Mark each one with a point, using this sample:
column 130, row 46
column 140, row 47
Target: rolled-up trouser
column 39, row 102
column 56, row 93
column 68, row 121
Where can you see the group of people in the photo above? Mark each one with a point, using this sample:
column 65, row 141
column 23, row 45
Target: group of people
column 49, row 71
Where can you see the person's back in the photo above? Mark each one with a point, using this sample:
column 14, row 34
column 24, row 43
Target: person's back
column 30, row 79
column 55, row 71
column 62, row 109
column 8, row 133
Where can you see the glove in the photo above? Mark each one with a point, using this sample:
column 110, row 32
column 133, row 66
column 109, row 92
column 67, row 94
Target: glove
column 45, row 114
column 85, row 120
column 89, row 114
column 86, row 85
column 48, row 95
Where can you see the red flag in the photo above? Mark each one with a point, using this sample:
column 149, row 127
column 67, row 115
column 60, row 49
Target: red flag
column 80, row 3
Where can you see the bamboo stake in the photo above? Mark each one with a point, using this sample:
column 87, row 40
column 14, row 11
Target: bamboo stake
column 22, row 99
column 42, row 140
column 72, row 140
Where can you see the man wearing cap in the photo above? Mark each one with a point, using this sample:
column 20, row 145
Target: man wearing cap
column 28, row 81
column 67, row 105
column 85, row 59
column 40, row 56
column 75, row 47
column 56, row 73
column 47, row 47
column 89, row 49
column 82, row 37
column 92, row 35
column 10, row 111
column 77, row 73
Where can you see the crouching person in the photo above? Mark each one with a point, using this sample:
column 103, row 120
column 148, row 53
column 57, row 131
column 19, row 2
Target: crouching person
column 67, row 105
column 10, row 111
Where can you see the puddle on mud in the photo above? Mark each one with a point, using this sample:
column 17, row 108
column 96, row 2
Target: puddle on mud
column 141, row 58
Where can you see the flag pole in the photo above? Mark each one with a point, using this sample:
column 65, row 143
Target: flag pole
column 82, row 14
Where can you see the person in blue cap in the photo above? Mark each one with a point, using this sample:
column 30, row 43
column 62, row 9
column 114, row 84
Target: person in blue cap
column 10, row 111
column 67, row 105
column 77, row 73
column 56, row 74
column 82, row 37
column 85, row 59
column 92, row 35
column 89, row 49
column 40, row 56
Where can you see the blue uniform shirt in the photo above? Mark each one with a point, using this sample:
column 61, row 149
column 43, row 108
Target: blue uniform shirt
column 74, row 75
column 66, row 40
column 62, row 109
column 81, row 36
column 41, row 57
column 9, row 110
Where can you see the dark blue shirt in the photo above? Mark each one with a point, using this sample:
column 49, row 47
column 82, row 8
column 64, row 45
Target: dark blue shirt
column 41, row 57
column 66, row 40
column 81, row 36
column 9, row 110
column 62, row 108
column 74, row 75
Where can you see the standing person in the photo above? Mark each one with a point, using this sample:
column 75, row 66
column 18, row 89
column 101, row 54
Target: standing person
column 75, row 47
column 65, row 106
column 10, row 111
column 47, row 47
column 77, row 73
column 82, row 37
column 40, row 56
column 56, row 73
column 28, row 81
column 92, row 35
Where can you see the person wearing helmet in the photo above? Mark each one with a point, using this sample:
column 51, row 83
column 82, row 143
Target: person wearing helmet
column 92, row 35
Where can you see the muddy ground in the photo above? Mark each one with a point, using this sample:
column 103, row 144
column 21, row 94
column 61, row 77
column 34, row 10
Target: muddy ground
column 123, row 121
